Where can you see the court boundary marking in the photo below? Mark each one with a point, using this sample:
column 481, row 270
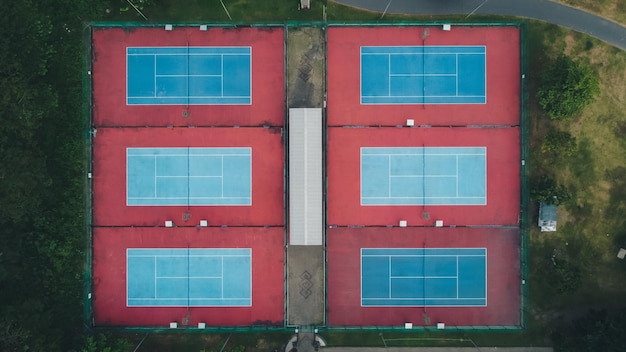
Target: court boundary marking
column 187, row 96
column 424, row 299
column 189, row 176
column 191, row 299
column 423, row 97
column 423, row 197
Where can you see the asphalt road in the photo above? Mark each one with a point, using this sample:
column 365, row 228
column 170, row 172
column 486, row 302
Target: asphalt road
column 544, row 10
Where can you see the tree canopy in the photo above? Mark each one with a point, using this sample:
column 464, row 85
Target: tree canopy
column 545, row 189
column 567, row 86
column 596, row 331
column 42, row 203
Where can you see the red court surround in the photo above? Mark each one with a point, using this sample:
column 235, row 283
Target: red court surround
column 118, row 126
column 109, row 272
column 344, row 179
column 503, row 76
column 344, row 276
column 109, row 176
column 109, row 77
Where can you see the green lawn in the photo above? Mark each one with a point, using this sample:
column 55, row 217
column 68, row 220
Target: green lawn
column 613, row 9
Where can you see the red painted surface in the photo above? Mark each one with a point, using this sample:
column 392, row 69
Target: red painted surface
column 503, row 76
column 109, row 77
column 109, row 272
column 503, row 180
column 109, row 176
column 344, row 270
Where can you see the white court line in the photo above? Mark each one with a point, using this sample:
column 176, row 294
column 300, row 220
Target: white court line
column 389, row 260
column 192, row 54
column 190, row 256
column 420, row 154
column 389, row 174
column 389, row 75
column 190, row 176
column 155, row 178
column 155, row 75
column 457, row 175
column 189, row 75
column 222, row 75
column 183, row 197
column 416, row 53
column 424, row 277
column 189, row 277
column 421, row 298
column 422, row 255
column 421, row 75
column 426, row 176
column 457, row 74
column 457, row 277
column 209, row 97
column 155, row 277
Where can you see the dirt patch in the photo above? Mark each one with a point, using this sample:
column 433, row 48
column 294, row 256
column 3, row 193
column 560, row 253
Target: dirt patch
column 305, row 67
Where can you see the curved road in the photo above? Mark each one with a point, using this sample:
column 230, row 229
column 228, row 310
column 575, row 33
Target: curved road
column 544, row 10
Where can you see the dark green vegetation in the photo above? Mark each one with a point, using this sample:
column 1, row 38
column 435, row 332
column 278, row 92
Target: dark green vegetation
column 567, row 86
column 576, row 269
column 42, row 195
column 42, row 208
column 596, row 331
column 559, row 142
column 545, row 189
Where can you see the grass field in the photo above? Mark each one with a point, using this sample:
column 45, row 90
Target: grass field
column 613, row 9
column 591, row 227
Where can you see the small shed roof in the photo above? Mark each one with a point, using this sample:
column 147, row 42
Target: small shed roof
column 547, row 217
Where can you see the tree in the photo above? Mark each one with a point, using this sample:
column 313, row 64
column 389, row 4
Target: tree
column 567, row 86
column 596, row 331
column 545, row 189
column 559, row 142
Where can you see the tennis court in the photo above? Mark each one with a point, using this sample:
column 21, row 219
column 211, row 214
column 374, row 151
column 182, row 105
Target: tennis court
column 189, row 75
column 424, row 176
column 189, row 277
column 189, row 176
column 423, row 75
column 424, row 277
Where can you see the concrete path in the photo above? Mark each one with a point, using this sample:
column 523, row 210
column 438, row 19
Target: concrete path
column 544, row 10
column 305, row 286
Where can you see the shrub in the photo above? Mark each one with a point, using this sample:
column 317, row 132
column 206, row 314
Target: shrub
column 567, row 86
column 559, row 142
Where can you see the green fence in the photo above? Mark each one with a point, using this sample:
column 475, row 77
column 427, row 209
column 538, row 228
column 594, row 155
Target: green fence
column 524, row 216
column 88, row 157
column 524, row 188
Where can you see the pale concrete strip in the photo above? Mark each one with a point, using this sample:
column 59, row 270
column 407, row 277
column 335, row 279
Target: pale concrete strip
column 305, row 285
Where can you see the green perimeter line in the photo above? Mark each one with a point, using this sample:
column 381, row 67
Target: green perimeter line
column 285, row 143
column 87, row 89
column 88, row 162
column 524, row 182
column 336, row 23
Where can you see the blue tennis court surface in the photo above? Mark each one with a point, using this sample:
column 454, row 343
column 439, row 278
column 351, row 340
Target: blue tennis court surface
column 423, row 75
column 424, row 176
column 189, row 277
column 424, row 277
column 189, row 75
column 189, row 176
